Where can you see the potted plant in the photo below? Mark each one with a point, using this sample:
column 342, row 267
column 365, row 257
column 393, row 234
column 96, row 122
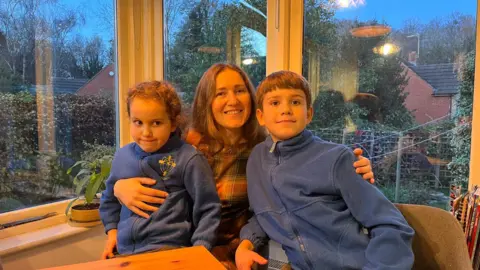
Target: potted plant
column 88, row 181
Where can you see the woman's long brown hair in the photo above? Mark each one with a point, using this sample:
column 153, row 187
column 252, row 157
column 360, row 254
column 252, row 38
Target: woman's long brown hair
column 202, row 115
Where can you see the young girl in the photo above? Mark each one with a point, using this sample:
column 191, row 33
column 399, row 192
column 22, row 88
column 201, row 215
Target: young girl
column 190, row 213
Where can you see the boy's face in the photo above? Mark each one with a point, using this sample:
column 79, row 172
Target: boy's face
column 285, row 113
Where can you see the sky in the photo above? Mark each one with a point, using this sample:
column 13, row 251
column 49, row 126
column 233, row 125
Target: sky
column 94, row 17
column 393, row 12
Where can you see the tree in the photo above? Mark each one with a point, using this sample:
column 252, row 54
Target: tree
column 330, row 110
column 462, row 133
column 91, row 58
column 9, row 82
column 320, row 36
column 381, row 76
column 386, row 78
column 30, row 27
column 441, row 40
column 201, row 42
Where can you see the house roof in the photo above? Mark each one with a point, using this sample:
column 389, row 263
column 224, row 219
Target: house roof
column 442, row 77
column 70, row 86
column 103, row 81
column 62, row 85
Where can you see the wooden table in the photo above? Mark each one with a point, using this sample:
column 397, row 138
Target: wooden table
column 179, row 259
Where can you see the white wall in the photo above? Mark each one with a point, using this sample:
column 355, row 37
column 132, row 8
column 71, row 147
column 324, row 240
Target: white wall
column 83, row 247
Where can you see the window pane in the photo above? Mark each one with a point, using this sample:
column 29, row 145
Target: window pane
column 56, row 96
column 201, row 33
column 396, row 80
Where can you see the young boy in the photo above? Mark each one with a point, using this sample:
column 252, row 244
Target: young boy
column 307, row 196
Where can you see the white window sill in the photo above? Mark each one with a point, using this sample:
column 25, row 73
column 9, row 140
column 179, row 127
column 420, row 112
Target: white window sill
column 36, row 238
column 36, row 233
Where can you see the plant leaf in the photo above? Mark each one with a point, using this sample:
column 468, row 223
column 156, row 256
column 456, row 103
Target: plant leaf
column 81, row 162
column 70, row 205
column 80, row 185
column 90, row 192
column 79, row 174
column 98, row 182
column 105, row 169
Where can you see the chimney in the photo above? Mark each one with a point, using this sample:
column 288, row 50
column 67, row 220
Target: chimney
column 412, row 58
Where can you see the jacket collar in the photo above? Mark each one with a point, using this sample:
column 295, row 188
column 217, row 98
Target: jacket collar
column 291, row 145
column 174, row 142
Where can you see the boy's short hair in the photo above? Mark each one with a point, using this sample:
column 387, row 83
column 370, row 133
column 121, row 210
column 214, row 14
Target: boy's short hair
column 283, row 80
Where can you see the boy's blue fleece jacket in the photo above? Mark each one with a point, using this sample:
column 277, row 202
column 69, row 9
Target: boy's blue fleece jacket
column 306, row 195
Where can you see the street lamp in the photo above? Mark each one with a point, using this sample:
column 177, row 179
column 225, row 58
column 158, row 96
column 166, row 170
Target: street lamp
column 418, row 43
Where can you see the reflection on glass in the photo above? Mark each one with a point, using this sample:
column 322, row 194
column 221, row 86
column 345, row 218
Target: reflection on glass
column 386, row 49
column 201, row 33
column 56, row 95
column 409, row 112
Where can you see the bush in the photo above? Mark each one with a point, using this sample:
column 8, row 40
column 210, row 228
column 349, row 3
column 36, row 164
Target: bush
column 412, row 194
column 84, row 128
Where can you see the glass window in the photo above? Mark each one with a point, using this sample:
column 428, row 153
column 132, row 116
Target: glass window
column 396, row 79
column 201, row 33
column 56, row 95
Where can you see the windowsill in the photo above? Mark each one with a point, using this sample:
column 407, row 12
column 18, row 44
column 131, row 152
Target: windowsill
column 39, row 232
column 36, row 238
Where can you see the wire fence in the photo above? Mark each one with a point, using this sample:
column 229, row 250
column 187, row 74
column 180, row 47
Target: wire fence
column 411, row 163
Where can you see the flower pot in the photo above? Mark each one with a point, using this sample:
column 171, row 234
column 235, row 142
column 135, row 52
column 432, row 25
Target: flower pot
column 85, row 215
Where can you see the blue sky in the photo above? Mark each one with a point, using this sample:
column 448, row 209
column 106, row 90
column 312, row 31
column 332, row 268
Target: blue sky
column 393, row 12
column 94, row 24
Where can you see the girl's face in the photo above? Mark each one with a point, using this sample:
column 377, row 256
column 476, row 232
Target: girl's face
column 150, row 126
column 231, row 106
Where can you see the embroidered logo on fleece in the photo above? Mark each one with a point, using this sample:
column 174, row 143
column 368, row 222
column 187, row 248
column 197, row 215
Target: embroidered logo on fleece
column 166, row 165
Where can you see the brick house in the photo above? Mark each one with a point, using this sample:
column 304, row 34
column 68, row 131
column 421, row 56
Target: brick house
column 103, row 82
column 431, row 89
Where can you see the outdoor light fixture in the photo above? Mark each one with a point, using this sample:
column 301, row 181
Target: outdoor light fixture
column 370, row 31
column 386, row 49
column 248, row 61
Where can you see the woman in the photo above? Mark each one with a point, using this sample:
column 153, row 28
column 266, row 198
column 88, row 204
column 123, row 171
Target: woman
column 225, row 129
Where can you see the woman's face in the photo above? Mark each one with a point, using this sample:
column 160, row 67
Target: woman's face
column 231, row 105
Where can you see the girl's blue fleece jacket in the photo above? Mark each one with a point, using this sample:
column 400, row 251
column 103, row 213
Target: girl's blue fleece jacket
column 190, row 214
column 307, row 196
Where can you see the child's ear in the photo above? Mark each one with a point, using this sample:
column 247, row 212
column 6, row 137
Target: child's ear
column 309, row 115
column 260, row 119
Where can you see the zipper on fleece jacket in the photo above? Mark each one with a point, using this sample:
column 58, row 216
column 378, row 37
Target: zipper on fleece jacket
column 295, row 231
column 302, row 246
column 273, row 147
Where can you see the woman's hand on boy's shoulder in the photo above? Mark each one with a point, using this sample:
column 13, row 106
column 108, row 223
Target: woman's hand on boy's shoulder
column 131, row 193
column 363, row 166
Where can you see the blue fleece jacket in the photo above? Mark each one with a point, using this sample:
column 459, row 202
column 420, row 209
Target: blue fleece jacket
column 190, row 214
column 306, row 195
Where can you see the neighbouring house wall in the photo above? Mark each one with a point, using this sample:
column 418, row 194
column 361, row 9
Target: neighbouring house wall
column 420, row 100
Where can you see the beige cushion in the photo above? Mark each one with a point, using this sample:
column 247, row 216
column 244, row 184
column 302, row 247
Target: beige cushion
column 439, row 241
